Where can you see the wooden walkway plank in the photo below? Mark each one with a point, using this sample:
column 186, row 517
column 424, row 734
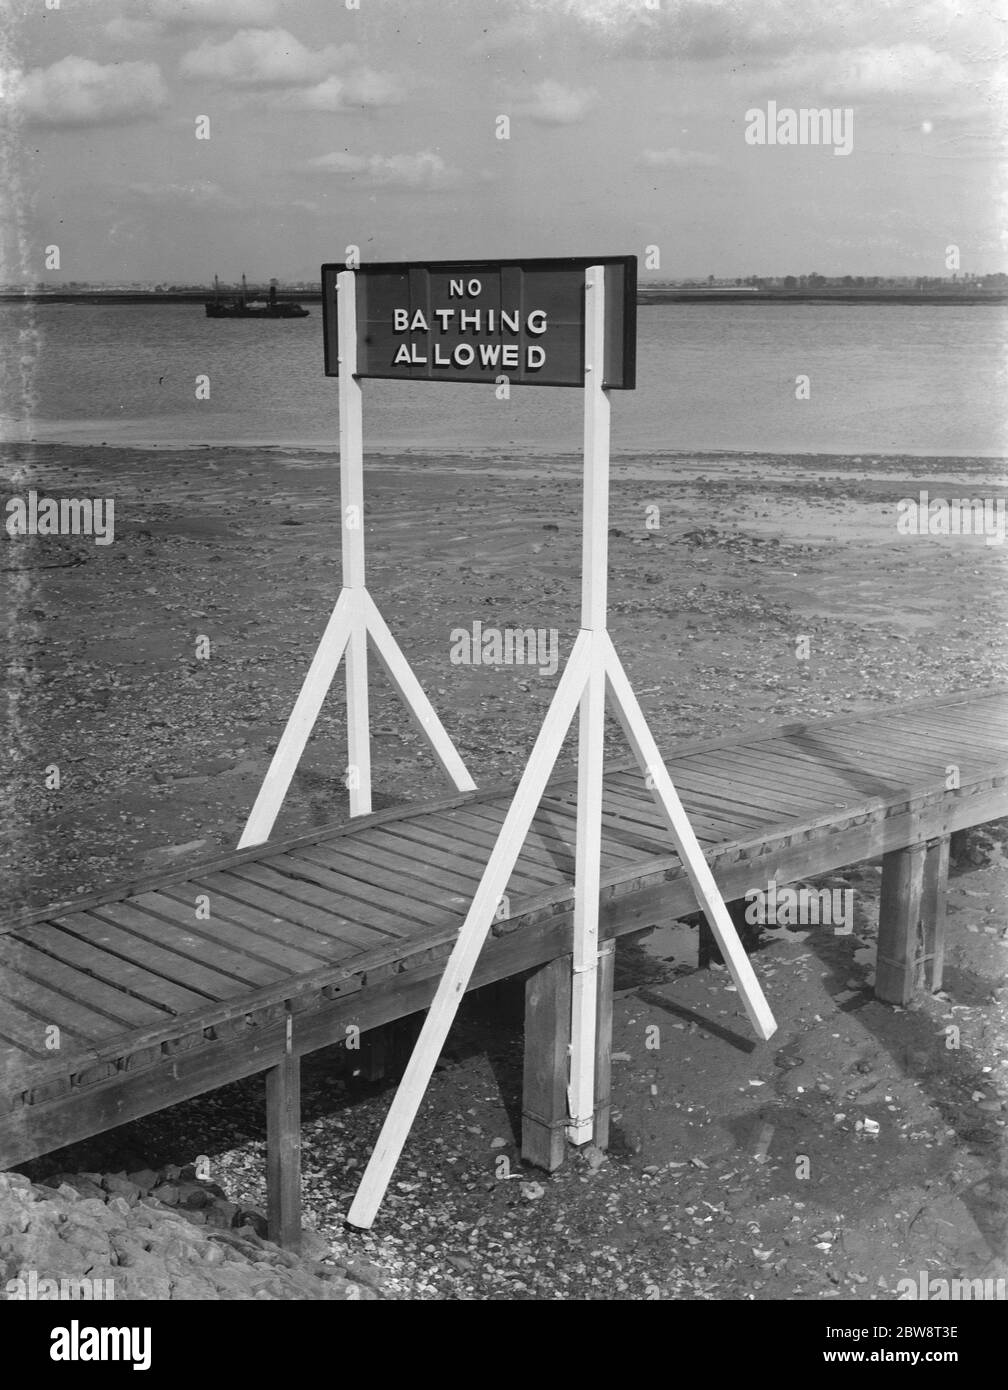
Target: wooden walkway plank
column 631, row 802
column 460, row 874
column 650, row 843
column 856, row 769
column 536, row 861
column 527, row 878
column 76, row 939
column 833, row 778
column 124, row 1010
column 50, row 1007
column 545, row 843
column 143, row 939
column 28, row 1033
column 823, row 783
column 715, row 809
column 856, row 750
column 445, row 887
column 301, row 948
column 560, row 826
column 372, row 895
column 344, row 936
column 147, row 916
column 692, row 782
column 979, row 743
column 541, row 847
column 868, row 741
column 425, row 850
column 758, row 791
column 917, row 750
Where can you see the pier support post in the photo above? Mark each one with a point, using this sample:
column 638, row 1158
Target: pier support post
column 544, row 1087
column 603, row 1042
column 936, row 867
column 283, row 1152
column 900, row 938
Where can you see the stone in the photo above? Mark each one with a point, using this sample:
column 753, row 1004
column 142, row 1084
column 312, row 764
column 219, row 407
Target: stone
column 88, row 1241
column 192, row 1288
column 87, row 1188
column 313, row 1245
column 14, row 1182
column 250, row 1217
column 144, row 1178
column 128, row 1246
column 119, row 1185
column 151, row 1286
column 222, row 1215
column 364, row 1272
column 167, row 1193
column 194, row 1196
column 93, row 1207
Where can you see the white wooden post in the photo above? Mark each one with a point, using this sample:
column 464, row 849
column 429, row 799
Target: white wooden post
column 400, row 673
column 299, row 724
column 687, row 846
column 354, row 618
column 351, row 428
column 594, row 576
column 471, row 937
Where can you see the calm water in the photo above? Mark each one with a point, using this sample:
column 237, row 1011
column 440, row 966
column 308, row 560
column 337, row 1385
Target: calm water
column 884, row 379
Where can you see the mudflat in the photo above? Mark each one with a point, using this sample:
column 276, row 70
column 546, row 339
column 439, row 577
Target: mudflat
column 155, row 672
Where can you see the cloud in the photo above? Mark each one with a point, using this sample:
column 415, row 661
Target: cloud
column 676, row 159
column 711, row 29
column 332, row 78
column 907, row 69
column 424, row 170
column 932, row 82
column 75, row 92
column 551, row 103
column 361, row 87
column 263, row 58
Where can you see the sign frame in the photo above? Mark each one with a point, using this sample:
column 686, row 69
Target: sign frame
column 621, row 297
column 592, row 677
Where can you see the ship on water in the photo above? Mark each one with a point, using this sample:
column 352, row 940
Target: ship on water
column 242, row 307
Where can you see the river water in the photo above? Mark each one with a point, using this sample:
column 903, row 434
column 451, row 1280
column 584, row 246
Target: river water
column 883, row 379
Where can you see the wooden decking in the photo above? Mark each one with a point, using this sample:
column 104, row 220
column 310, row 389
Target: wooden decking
column 180, row 983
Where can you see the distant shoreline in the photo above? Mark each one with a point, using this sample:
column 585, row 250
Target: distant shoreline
column 645, row 296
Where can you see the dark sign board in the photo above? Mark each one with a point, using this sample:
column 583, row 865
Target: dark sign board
column 481, row 320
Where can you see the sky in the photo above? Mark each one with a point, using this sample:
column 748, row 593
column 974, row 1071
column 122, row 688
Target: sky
column 379, row 124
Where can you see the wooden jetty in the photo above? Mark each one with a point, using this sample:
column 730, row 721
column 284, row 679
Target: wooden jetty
column 182, row 982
